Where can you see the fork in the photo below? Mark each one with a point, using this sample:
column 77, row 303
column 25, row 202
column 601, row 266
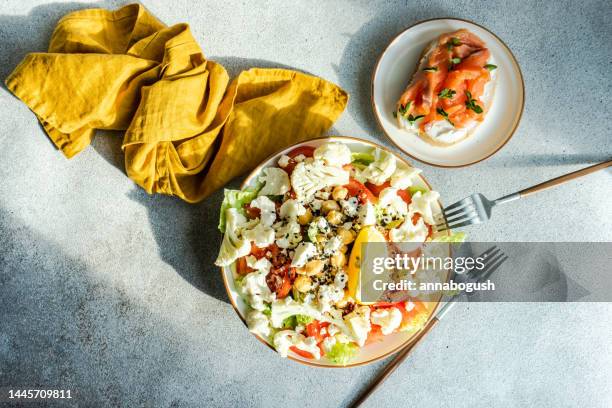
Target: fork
column 493, row 258
column 477, row 208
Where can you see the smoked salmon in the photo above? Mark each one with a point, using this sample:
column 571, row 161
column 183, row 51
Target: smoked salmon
column 449, row 94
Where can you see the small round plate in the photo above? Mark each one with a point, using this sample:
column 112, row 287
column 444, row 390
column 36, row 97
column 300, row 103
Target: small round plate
column 394, row 71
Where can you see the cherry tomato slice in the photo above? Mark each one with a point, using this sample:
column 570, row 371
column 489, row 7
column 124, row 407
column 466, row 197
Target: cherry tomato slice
column 405, row 195
column 302, row 353
column 377, row 189
column 375, row 335
column 242, row 268
column 258, row 252
column 252, row 212
column 307, row 151
column 357, row 189
column 416, row 217
column 313, row 329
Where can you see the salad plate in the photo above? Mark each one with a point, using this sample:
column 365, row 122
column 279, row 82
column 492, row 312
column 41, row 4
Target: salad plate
column 411, row 65
column 308, row 313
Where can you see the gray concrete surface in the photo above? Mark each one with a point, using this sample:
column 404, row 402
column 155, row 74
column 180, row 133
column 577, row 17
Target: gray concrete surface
column 112, row 293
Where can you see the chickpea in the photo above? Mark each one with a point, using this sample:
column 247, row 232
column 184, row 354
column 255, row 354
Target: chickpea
column 302, row 283
column 339, row 193
column 338, row 259
column 312, row 268
column 329, row 205
column 334, row 217
column 306, row 217
column 347, row 236
column 344, row 249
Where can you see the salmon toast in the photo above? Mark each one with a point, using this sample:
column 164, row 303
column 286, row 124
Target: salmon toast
column 450, row 92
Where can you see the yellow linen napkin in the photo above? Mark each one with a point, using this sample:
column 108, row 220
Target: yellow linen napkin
column 188, row 130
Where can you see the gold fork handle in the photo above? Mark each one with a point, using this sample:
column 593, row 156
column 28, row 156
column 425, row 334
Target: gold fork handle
column 565, row 178
column 390, row 368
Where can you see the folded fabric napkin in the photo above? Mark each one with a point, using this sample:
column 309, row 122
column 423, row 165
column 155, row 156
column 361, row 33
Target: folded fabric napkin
column 188, row 130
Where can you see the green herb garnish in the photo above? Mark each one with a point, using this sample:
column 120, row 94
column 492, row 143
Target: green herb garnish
column 490, row 67
column 470, row 103
column 443, row 113
column 453, row 42
column 404, row 108
column 394, row 114
column 430, row 69
column 447, row 93
column 455, row 60
column 412, row 119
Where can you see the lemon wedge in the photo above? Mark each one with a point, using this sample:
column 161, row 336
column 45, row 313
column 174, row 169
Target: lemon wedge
column 366, row 235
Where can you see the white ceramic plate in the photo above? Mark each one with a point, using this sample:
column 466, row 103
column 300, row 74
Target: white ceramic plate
column 394, row 71
column 369, row 353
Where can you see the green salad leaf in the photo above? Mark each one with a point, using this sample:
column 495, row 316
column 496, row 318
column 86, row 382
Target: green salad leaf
column 342, row 353
column 362, row 158
column 303, row 319
column 289, row 323
column 235, row 199
column 453, row 237
column 415, row 189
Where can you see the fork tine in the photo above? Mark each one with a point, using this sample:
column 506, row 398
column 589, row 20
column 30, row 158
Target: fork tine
column 470, row 221
column 458, row 217
column 449, row 214
column 459, row 203
column 486, row 254
column 490, row 263
column 494, row 268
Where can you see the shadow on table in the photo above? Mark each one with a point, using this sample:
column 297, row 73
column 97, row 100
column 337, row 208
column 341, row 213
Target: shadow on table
column 363, row 50
column 187, row 237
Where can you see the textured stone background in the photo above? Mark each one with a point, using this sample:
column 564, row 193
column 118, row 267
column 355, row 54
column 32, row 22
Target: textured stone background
column 112, row 293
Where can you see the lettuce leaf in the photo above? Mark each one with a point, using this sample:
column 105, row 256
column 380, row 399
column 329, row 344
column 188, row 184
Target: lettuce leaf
column 453, row 237
column 415, row 189
column 303, row 319
column 342, row 353
column 235, row 199
column 361, row 158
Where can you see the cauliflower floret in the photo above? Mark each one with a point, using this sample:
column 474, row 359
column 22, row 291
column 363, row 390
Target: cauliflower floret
column 307, row 178
column 256, row 291
column 287, row 307
column 262, row 236
column 426, row 205
column 285, row 339
column 292, row 209
column 388, row 319
column 303, row 253
column 402, row 177
column 407, row 232
column 261, row 264
column 288, row 234
column 233, row 246
column 327, row 296
column 358, row 321
column 276, row 181
column 381, row 168
column 283, row 161
column 391, row 202
column 258, row 323
column 267, row 210
column 366, row 215
column 333, row 154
